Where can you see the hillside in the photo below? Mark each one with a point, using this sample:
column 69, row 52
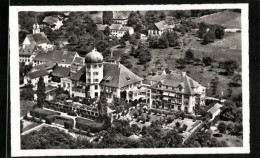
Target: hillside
column 228, row 19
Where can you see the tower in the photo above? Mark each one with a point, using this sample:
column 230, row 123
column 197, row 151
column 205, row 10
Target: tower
column 36, row 27
column 94, row 73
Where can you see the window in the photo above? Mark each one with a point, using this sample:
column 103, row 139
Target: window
column 64, row 84
column 179, row 107
column 95, row 73
column 96, row 86
column 89, row 80
column 95, row 80
column 166, row 87
column 94, row 66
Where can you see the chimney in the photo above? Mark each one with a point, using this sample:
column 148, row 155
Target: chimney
column 183, row 74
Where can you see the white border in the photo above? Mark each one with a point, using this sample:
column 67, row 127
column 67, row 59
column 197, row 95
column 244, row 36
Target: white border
column 15, row 103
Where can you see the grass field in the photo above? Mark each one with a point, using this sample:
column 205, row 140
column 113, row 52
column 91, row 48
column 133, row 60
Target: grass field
column 219, row 51
column 29, row 125
column 26, row 106
column 228, row 19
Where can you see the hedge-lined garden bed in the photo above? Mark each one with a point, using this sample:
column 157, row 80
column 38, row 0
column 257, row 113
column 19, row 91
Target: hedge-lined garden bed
column 42, row 113
column 61, row 120
column 86, row 125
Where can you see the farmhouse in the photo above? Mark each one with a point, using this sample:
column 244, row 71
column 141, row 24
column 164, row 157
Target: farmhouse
column 177, row 90
column 52, row 22
column 63, row 58
column 96, row 76
column 159, row 28
column 119, row 18
column 119, row 30
column 28, row 53
column 33, row 77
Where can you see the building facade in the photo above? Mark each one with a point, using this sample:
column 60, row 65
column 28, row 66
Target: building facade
column 177, row 91
column 157, row 29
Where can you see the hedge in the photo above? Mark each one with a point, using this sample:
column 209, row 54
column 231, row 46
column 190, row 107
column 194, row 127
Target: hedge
column 68, row 122
column 50, row 119
column 72, row 113
column 42, row 113
column 85, row 124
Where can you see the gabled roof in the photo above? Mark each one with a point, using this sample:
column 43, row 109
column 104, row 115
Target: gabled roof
column 101, row 27
column 215, row 108
column 176, row 80
column 37, row 74
column 125, row 28
column 162, row 25
column 51, row 20
column 46, row 66
column 115, row 27
column 78, row 61
column 80, row 75
column 58, row 56
column 38, row 38
column 117, row 15
column 119, row 76
column 114, row 76
column 61, row 71
column 27, row 50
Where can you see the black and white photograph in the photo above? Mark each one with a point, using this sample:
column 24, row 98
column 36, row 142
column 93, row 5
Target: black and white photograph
column 126, row 80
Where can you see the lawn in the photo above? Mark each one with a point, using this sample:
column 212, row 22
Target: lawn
column 26, row 106
column 29, row 125
column 228, row 19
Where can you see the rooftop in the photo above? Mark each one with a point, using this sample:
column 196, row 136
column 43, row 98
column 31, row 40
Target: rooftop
column 37, row 74
column 61, row 71
column 38, row 38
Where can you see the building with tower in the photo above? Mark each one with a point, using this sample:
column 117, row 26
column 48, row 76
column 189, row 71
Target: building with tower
column 97, row 76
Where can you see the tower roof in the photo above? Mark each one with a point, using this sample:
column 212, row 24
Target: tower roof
column 94, row 57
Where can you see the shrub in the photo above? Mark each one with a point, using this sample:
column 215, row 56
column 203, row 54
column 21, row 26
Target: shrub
column 68, row 125
column 93, row 126
column 230, row 127
column 42, row 113
column 72, row 113
column 222, row 127
column 50, row 119
column 177, row 124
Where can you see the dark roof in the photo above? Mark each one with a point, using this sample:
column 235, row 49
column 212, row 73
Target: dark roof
column 38, row 38
column 37, row 74
column 50, row 20
column 114, row 76
column 80, row 75
column 101, row 27
column 118, row 76
column 61, row 71
column 176, row 80
column 215, row 108
column 58, row 56
column 46, row 66
column 27, row 50
column 115, row 27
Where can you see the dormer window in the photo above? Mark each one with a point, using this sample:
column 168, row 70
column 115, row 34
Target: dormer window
column 127, row 78
column 63, row 60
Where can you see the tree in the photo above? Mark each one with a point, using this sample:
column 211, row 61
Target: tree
column 209, row 36
column 230, row 66
column 219, row 31
column 229, row 111
column 41, row 96
column 222, row 127
column 125, row 61
column 107, row 17
column 172, row 38
column 173, row 139
column 162, row 15
column 107, row 31
column 202, row 29
column 180, row 63
column 189, row 55
column 144, row 56
column 73, row 39
column 214, row 86
column 132, row 39
column 151, row 17
column 207, row 61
